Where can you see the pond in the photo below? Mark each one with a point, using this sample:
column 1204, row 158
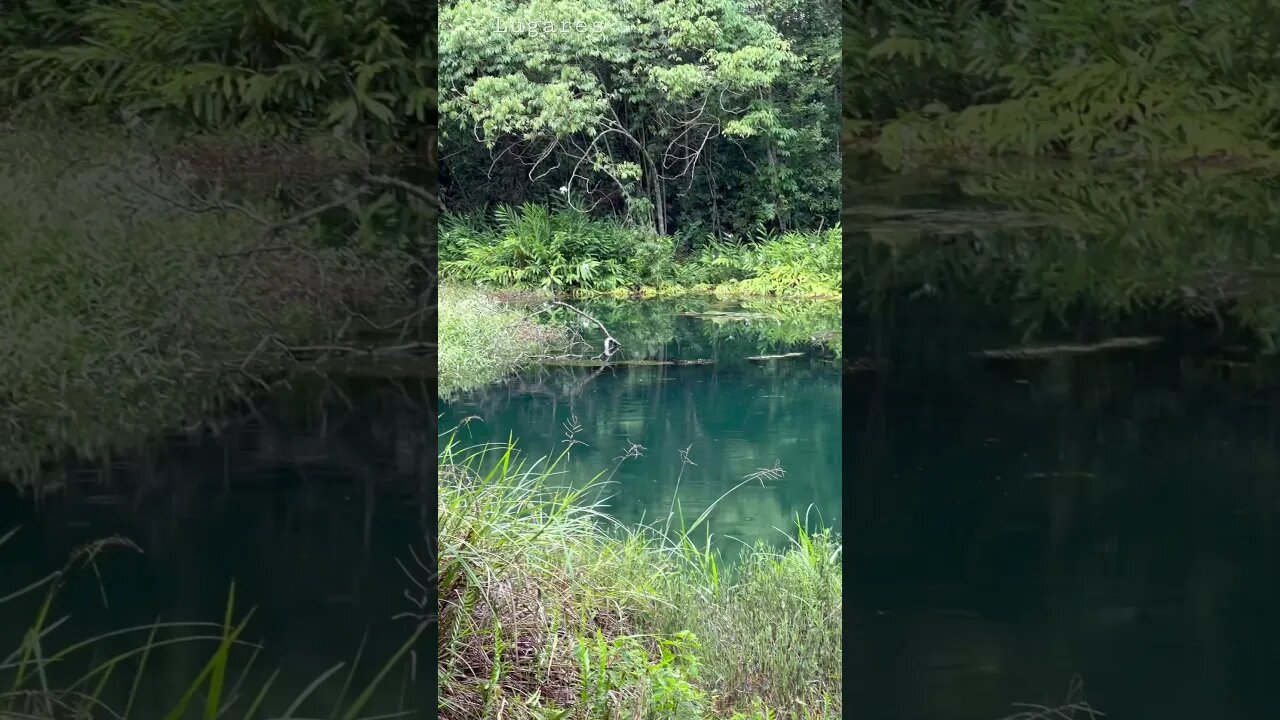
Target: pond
column 1108, row 520
column 315, row 503
column 756, row 441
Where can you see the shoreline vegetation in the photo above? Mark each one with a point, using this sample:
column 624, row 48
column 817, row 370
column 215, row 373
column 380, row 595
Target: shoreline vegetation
column 483, row 338
column 487, row 335
column 571, row 253
column 137, row 302
column 551, row 609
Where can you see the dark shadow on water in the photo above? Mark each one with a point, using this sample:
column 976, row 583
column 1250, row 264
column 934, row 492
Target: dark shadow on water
column 1016, row 521
column 310, row 503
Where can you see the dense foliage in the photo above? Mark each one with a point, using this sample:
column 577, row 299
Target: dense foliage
column 699, row 116
column 317, row 94
column 569, row 251
column 360, row 67
column 1145, row 79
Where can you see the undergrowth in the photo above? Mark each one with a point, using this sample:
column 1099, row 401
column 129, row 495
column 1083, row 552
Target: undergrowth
column 551, row 609
column 565, row 251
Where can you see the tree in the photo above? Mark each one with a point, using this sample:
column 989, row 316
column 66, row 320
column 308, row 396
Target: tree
column 631, row 105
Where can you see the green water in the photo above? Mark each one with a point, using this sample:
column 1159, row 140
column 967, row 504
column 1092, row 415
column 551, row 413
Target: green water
column 1017, row 522
column 696, row 433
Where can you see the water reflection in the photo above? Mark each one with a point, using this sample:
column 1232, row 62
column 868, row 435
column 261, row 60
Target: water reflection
column 1020, row 520
column 314, row 502
column 733, row 418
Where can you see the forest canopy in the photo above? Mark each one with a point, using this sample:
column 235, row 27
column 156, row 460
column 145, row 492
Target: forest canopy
column 708, row 117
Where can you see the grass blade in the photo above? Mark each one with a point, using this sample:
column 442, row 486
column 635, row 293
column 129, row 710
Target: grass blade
column 367, row 695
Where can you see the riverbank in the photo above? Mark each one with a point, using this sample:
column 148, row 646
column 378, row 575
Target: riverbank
column 139, row 299
column 550, row 609
column 485, row 336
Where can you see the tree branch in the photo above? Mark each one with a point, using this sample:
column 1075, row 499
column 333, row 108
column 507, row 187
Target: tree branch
column 412, row 189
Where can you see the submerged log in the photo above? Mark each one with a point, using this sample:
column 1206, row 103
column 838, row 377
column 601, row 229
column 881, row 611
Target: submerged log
column 586, row 363
column 853, row 365
column 1034, row 352
column 720, row 315
column 783, row 356
column 376, row 366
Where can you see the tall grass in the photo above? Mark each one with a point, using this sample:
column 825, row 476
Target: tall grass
column 481, row 339
column 549, row 608
column 47, row 679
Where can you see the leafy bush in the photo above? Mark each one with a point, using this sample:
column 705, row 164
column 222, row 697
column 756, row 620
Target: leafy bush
column 560, row 251
column 793, row 264
column 570, row 252
column 359, row 66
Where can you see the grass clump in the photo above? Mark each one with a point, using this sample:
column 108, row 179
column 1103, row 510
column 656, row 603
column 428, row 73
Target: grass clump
column 482, row 339
column 551, row 609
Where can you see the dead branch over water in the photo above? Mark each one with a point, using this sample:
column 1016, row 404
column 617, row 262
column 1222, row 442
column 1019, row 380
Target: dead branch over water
column 1073, row 707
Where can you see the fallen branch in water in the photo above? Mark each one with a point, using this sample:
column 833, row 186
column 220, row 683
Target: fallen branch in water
column 1067, row 349
column 776, row 357
column 414, row 359
column 1074, row 707
column 611, row 343
column 591, row 363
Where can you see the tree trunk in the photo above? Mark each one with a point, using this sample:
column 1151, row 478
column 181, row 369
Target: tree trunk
column 779, row 211
column 662, row 205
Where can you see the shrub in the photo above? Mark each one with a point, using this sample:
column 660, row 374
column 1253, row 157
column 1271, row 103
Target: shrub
column 559, row 251
column 794, row 264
